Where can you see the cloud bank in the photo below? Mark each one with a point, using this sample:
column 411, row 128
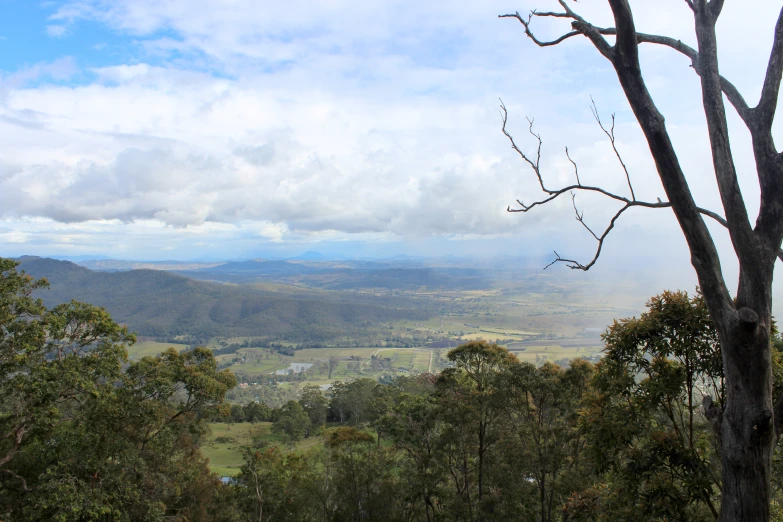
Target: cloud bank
column 347, row 121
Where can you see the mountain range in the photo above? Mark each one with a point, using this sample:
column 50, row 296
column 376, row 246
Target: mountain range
column 162, row 304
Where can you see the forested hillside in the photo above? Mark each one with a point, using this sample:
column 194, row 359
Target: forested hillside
column 162, row 304
column 90, row 435
column 348, row 275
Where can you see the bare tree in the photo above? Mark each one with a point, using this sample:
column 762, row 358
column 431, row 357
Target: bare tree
column 750, row 422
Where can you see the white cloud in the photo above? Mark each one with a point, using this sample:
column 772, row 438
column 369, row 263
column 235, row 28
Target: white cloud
column 343, row 120
column 56, row 31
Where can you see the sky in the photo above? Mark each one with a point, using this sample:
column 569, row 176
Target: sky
column 229, row 129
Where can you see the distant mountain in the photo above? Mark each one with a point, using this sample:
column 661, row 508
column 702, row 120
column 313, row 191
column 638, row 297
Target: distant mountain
column 163, row 304
column 400, row 278
column 310, row 255
column 115, row 265
column 346, row 275
column 76, row 259
column 249, row 271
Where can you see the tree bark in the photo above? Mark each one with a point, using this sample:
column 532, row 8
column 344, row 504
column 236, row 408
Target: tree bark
column 749, row 424
column 747, row 437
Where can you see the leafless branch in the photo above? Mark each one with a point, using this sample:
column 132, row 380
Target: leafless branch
column 553, row 194
column 624, row 56
column 581, row 217
column 728, row 88
column 576, row 265
column 610, row 135
column 771, row 89
column 529, row 33
column 716, row 6
column 576, row 169
column 731, row 92
column 533, row 164
column 734, row 207
column 570, row 12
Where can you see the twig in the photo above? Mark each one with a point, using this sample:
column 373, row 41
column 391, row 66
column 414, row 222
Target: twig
column 610, row 135
column 576, row 169
column 553, row 194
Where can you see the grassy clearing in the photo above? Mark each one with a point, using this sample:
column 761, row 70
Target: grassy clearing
column 258, row 367
column 151, row 348
column 317, row 354
column 404, row 358
column 554, row 353
column 225, row 458
column 421, row 360
column 254, row 362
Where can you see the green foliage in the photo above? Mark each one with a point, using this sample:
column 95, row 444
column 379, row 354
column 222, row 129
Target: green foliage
column 292, row 421
column 351, row 402
column 257, row 412
column 542, row 408
column 163, row 304
column 494, row 439
column 81, row 438
column 644, row 421
column 85, row 435
column 315, row 405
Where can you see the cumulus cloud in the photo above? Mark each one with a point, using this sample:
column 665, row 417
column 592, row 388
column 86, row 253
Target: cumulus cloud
column 309, row 121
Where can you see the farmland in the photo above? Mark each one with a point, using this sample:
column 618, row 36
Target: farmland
column 224, row 444
column 150, row 348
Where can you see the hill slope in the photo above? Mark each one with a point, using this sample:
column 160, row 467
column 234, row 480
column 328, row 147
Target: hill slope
column 345, row 275
column 162, row 304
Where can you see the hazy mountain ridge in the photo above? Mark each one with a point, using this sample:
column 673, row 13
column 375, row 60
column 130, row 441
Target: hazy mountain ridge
column 161, row 304
column 347, row 275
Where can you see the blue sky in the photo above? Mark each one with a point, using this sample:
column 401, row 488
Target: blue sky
column 225, row 129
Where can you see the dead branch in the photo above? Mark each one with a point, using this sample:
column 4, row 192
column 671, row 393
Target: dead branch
column 576, row 169
column 581, row 216
column 731, row 92
column 771, row 89
column 761, row 115
column 610, row 135
column 552, row 194
column 746, row 442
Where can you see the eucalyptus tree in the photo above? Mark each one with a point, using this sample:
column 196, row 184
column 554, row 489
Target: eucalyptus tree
column 470, row 395
column 541, row 407
column 646, row 431
column 86, row 436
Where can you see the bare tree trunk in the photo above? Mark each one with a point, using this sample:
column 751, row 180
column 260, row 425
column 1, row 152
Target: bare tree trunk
column 748, row 435
column 481, row 449
column 750, row 423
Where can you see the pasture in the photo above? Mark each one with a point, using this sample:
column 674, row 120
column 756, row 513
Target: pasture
column 151, row 349
column 224, row 445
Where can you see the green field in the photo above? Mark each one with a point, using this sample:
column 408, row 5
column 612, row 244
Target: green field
column 554, row 353
column 352, row 362
column 417, row 359
column 225, row 458
column 150, row 348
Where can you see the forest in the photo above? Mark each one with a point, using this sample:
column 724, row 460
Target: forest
column 88, row 435
column 421, row 369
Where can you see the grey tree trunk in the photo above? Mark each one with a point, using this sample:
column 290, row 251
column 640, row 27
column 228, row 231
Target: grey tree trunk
column 751, row 421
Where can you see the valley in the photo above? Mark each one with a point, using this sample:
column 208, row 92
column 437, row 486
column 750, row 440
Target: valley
column 342, row 320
